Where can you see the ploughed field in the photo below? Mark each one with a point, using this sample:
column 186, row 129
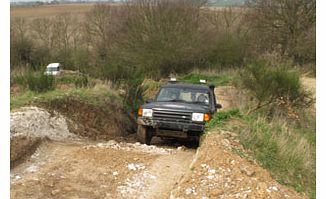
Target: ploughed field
column 50, row 10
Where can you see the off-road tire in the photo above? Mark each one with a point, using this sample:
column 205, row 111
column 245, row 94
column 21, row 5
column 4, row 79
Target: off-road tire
column 144, row 136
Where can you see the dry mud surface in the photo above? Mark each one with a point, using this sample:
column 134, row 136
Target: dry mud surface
column 81, row 169
column 99, row 170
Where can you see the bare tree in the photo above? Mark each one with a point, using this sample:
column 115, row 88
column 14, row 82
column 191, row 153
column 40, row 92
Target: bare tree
column 65, row 31
column 20, row 43
column 161, row 35
column 100, row 27
column 281, row 23
column 42, row 30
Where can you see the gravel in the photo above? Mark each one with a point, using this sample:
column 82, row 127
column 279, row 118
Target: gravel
column 38, row 122
column 133, row 147
column 135, row 187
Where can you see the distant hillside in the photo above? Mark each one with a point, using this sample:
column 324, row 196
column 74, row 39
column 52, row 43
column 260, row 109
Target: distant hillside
column 41, row 2
column 225, row 2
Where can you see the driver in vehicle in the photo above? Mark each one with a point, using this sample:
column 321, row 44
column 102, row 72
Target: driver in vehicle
column 202, row 98
column 173, row 94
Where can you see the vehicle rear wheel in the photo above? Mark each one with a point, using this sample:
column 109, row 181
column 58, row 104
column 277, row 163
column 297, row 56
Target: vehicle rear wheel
column 144, row 136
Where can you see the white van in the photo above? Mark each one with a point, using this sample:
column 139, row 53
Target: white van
column 53, row 69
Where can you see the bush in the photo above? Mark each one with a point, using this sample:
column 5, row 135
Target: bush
column 134, row 94
column 229, row 51
column 81, row 81
column 40, row 83
column 273, row 85
column 19, row 79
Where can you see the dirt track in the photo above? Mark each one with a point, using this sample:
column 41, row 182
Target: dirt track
column 66, row 165
column 100, row 170
column 123, row 168
column 83, row 169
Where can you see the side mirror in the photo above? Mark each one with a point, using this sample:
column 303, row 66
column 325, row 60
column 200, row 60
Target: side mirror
column 149, row 101
column 218, row 106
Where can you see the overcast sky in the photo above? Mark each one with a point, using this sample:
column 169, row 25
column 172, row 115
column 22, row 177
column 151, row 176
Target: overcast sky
column 26, row 0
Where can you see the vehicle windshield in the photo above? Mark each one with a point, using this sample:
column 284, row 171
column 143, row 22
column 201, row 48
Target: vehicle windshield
column 53, row 69
column 188, row 95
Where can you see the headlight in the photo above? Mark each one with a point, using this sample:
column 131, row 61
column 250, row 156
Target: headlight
column 198, row 117
column 147, row 113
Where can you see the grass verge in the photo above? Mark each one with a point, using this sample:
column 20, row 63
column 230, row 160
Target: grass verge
column 286, row 150
column 95, row 96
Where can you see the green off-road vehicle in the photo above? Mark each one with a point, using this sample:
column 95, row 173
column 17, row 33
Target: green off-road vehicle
column 179, row 111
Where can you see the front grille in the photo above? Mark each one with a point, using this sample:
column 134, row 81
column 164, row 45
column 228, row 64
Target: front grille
column 172, row 116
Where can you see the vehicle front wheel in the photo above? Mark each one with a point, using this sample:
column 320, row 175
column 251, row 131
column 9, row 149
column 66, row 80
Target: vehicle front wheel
column 144, row 135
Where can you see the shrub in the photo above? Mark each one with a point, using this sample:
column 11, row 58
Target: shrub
column 81, row 81
column 273, row 85
column 134, row 94
column 19, row 79
column 228, row 51
column 39, row 82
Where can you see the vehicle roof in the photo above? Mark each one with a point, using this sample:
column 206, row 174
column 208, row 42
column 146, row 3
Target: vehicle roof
column 184, row 85
column 53, row 65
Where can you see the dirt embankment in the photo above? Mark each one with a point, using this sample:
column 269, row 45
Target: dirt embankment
column 21, row 147
column 230, row 97
column 217, row 172
column 29, row 126
column 105, row 121
column 64, row 120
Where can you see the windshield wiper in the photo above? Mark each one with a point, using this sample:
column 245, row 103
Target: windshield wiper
column 198, row 102
column 176, row 100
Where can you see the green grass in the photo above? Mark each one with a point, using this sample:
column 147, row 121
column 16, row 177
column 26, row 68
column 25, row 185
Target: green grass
column 229, row 3
column 220, row 118
column 78, row 80
column 216, row 80
column 286, row 150
column 288, row 155
column 95, row 96
column 68, row 79
column 34, row 81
